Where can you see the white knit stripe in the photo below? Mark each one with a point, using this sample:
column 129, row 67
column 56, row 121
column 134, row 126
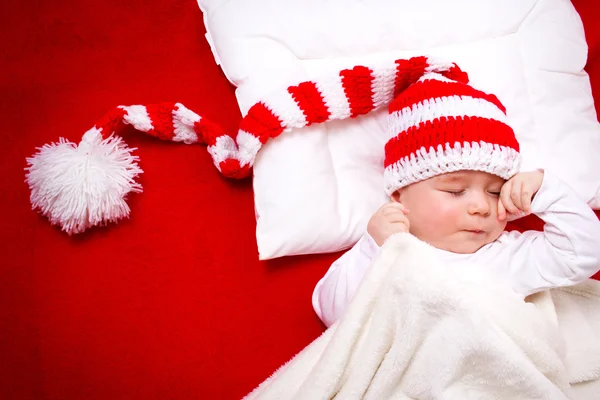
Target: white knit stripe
column 283, row 105
column 138, row 117
column 436, row 64
column 223, row 149
column 334, row 97
column 183, row 123
column 249, row 145
column 434, row 76
column 497, row 160
column 384, row 79
column 435, row 108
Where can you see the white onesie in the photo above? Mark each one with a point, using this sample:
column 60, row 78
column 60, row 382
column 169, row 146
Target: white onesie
column 567, row 252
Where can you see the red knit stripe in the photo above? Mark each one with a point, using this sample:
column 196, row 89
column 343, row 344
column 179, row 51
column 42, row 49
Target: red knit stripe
column 408, row 72
column 207, row 131
column 310, row 101
column 262, row 123
column 432, row 89
column 111, row 121
column 231, row 168
column 357, row 83
column 456, row 74
column 161, row 116
column 449, row 130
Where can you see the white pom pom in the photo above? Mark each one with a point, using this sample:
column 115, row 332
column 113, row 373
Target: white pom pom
column 80, row 186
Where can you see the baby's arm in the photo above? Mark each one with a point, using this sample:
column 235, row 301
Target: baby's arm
column 335, row 290
column 567, row 252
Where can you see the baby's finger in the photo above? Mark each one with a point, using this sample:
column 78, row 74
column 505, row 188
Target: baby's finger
column 505, row 198
column 501, row 210
column 397, row 216
column 526, row 195
column 515, row 195
column 401, row 226
column 396, row 206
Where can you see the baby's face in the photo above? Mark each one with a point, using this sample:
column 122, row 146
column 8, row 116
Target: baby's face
column 456, row 212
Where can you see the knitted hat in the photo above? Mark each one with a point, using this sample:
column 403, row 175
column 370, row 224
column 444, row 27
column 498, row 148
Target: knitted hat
column 439, row 125
column 81, row 185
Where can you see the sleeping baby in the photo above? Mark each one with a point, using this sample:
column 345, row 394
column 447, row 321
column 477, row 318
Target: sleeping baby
column 452, row 173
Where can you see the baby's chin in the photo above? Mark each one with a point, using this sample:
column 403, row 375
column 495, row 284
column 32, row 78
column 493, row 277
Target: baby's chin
column 464, row 249
column 466, row 245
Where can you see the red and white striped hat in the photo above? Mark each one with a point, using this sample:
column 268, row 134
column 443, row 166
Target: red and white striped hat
column 439, row 125
column 81, row 185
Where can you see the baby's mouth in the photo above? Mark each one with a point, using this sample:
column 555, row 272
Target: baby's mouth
column 475, row 231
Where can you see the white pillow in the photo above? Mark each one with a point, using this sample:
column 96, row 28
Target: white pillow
column 315, row 188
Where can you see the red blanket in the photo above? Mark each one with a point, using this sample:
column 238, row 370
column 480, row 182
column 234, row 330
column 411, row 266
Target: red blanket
column 173, row 302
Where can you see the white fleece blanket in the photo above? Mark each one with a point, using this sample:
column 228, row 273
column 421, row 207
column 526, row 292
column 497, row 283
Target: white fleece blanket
column 418, row 330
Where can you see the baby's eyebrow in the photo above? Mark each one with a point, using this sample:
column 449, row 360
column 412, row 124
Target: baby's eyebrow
column 451, row 178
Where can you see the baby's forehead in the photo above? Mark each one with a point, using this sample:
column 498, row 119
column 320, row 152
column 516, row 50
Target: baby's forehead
column 468, row 176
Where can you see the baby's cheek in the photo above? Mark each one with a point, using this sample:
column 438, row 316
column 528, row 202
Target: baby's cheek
column 433, row 215
column 441, row 211
column 499, row 227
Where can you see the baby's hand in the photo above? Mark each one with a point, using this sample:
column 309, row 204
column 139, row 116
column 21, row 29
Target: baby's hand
column 389, row 219
column 517, row 192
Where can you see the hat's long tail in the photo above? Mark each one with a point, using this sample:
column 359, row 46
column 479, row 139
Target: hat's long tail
column 85, row 184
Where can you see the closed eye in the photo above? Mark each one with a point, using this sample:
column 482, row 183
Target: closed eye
column 495, row 194
column 455, row 193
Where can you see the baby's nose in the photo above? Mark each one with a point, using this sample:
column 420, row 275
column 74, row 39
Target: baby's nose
column 479, row 204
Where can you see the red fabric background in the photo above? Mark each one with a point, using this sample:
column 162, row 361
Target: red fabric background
column 172, row 303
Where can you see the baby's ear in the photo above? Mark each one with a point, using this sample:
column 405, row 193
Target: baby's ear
column 395, row 196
